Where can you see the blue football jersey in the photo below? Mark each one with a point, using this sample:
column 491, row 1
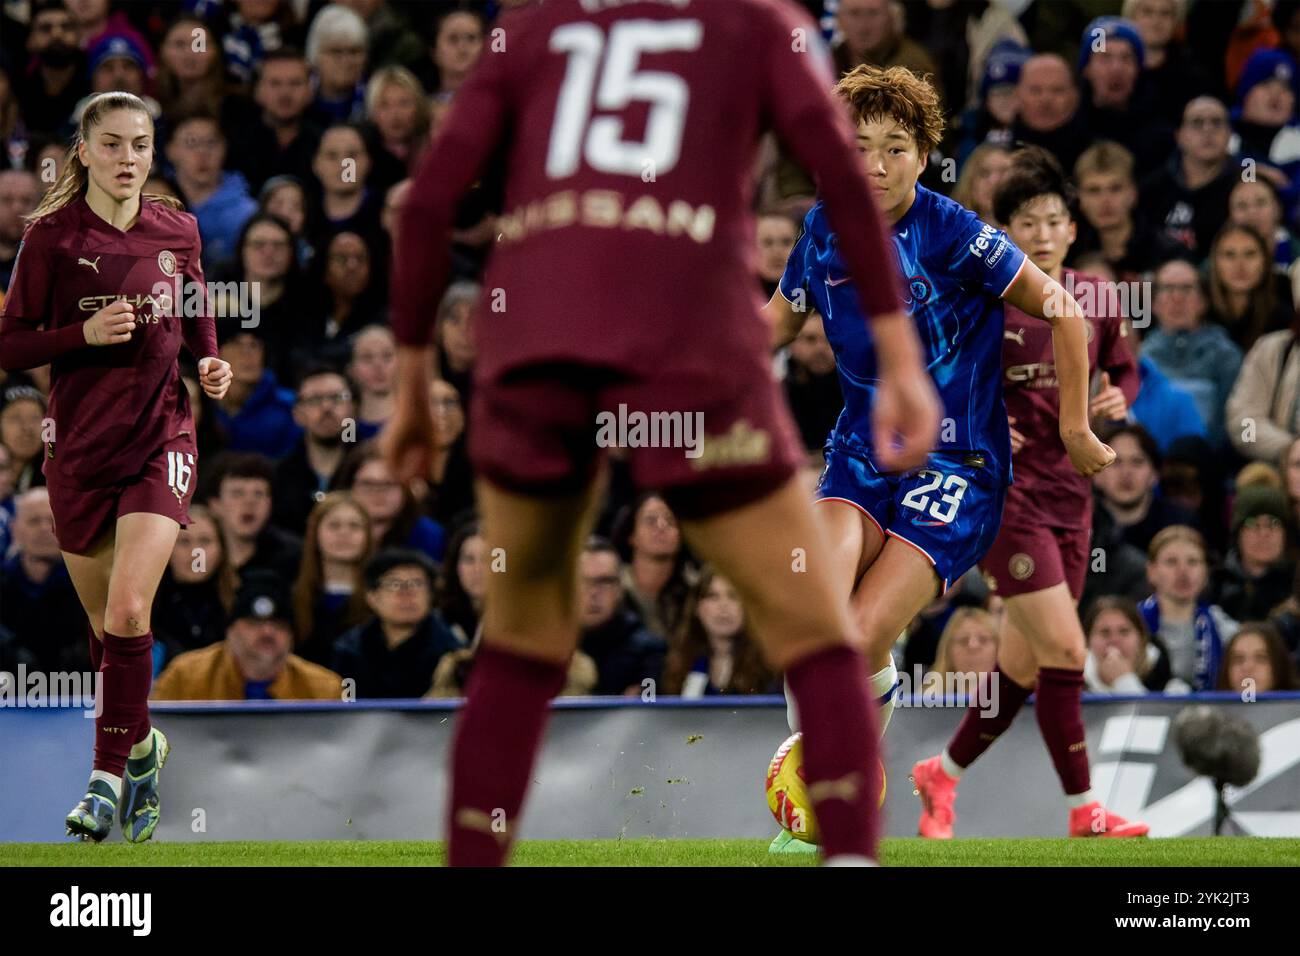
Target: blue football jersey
column 955, row 269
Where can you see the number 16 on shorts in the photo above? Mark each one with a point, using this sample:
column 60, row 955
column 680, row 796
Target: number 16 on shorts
column 938, row 495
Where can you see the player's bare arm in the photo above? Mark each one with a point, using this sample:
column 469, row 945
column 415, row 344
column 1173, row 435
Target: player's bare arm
column 783, row 319
column 1039, row 295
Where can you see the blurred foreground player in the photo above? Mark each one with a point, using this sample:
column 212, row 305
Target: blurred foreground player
column 96, row 292
column 1040, row 557
column 622, row 277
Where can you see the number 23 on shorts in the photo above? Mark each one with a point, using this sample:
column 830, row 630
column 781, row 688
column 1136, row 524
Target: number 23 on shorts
column 937, row 495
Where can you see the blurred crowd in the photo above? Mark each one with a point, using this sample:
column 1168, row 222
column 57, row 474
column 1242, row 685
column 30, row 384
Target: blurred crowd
column 289, row 128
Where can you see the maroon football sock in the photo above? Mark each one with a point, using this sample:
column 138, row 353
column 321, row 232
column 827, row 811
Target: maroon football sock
column 982, row 726
column 96, row 649
column 1060, row 719
column 836, row 715
column 125, row 677
column 497, row 737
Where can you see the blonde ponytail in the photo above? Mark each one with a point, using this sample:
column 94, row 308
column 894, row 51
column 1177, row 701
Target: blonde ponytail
column 71, row 183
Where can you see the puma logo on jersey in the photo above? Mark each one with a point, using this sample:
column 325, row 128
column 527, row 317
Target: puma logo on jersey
column 94, row 265
column 1018, row 336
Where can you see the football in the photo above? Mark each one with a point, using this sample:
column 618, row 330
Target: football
column 787, row 791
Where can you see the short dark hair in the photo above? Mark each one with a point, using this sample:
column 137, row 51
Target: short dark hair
column 599, row 544
column 1139, row 435
column 387, row 559
column 1034, row 172
column 317, row 369
column 241, row 464
column 278, row 54
column 49, row 6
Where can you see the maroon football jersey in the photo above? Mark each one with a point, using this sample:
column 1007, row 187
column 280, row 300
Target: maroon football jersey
column 113, row 407
column 1047, row 489
column 630, row 131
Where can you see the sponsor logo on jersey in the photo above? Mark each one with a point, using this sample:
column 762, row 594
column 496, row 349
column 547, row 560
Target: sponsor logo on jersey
column 980, row 244
column 996, row 254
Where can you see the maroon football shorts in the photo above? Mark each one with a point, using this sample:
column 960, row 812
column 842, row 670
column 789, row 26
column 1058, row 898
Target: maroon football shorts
column 541, row 431
column 1029, row 556
column 164, row 486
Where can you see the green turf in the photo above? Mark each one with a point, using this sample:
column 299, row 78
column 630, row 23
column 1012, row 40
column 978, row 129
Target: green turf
column 653, row 852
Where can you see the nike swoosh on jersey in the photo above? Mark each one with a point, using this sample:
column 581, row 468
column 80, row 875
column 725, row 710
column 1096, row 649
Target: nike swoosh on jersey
column 840, row 281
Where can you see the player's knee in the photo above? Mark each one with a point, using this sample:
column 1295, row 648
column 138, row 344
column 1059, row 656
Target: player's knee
column 1069, row 658
column 127, row 615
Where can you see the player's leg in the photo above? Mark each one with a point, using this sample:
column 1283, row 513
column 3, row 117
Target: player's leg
column 853, row 540
column 530, row 628
column 92, row 817
column 143, row 546
column 774, row 553
column 1049, row 621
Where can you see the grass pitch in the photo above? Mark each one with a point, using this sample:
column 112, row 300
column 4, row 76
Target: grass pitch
column 1226, row 851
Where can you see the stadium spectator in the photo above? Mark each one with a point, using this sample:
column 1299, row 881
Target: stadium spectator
column 1115, row 105
column 1286, row 618
column 657, row 572
column 341, row 168
column 1188, row 197
column 264, row 255
column 968, row 649
column 256, row 659
column 1123, row 658
column 1243, row 291
column 464, row 582
column 1257, row 205
column 20, row 191
column 257, row 413
column 22, row 423
column 240, row 500
column 218, row 199
column 196, row 590
column 457, row 45
column 56, row 79
column 1258, row 570
column 395, row 518
column 7, row 503
column 1047, row 103
column 775, row 234
column 812, row 383
column 1256, row 662
column 257, row 29
column 346, row 303
column 328, row 594
column 1264, row 119
column 392, row 42
column 980, row 177
column 1195, row 355
column 629, row 657
column 871, row 32
column 38, row 603
column 1109, row 219
column 118, row 62
column 396, row 651
column 450, row 471
column 191, row 76
column 1170, row 73
column 1289, row 468
column 278, row 139
column 1129, row 490
column 373, row 367
column 336, row 49
column 1192, row 474
column 1166, row 411
column 991, row 119
column 396, row 105
column 1192, row 631
column 457, row 350
column 284, row 198
column 711, row 652
column 1261, row 414
column 324, row 403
